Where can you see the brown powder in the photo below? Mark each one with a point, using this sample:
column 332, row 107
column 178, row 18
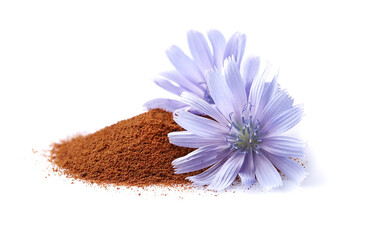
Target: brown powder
column 133, row 152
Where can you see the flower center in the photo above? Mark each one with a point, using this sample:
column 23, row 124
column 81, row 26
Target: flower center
column 245, row 136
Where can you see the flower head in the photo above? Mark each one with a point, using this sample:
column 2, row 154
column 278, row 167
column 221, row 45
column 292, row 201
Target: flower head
column 189, row 73
column 244, row 134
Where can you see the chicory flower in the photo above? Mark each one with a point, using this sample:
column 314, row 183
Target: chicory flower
column 189, row 73
column 244, row 135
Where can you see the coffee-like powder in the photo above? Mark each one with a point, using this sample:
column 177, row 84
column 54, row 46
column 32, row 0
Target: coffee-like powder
column 132, row 152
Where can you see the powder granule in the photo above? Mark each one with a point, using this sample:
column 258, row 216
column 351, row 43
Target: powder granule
column 132, row 152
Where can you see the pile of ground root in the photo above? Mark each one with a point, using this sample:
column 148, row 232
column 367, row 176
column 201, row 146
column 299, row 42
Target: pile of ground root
column 132, row 152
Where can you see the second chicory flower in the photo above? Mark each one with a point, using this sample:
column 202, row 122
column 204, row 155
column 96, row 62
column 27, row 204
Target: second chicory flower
column 189, row 73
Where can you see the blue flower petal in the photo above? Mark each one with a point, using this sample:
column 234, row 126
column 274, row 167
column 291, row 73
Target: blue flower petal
column 185, row 65
column 168, row 86
column 235, row 83
column 218, row 47
column 288, row 167
column 235, row 47
column 206, row 177
column 199, row 159
column 266, row 173
column 200, row 50
column 282, row 122
column 283, row 146
column 257, row 88
column 190, row 140
column 278, row 104
column 199, row 125
column 220, row 92
column 247, row 172
column 228, row 172
column 185, row 84
column 250, row 69
column 270, row 90
column 169, row 105
column 204, row 107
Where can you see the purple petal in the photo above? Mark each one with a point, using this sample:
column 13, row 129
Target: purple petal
column 204, row 107
column 228, row 172
column 199, row 125
column 283, row 146
column 200, row 50
column 257, row 88
column 235, row 83
column 269, row 92
column 218, row 46
column 185, row 65
column 168, row 86
column 235, row 47
column 288, row 167
column 250, row 69
column 220, row 92
column 187, row 85
column 266, row 173
column 190, row 140
column 200, row 158
column 283, row 122
column 279, row 103
column 169, row 105
column 206, row 177
column 247, row 172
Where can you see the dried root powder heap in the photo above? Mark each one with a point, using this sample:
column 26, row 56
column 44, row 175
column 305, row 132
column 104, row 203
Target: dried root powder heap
column 132, row 152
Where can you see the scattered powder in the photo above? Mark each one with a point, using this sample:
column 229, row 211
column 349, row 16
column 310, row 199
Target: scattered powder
column 132, row 152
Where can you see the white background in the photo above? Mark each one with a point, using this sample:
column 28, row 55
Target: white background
column 77, row 66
